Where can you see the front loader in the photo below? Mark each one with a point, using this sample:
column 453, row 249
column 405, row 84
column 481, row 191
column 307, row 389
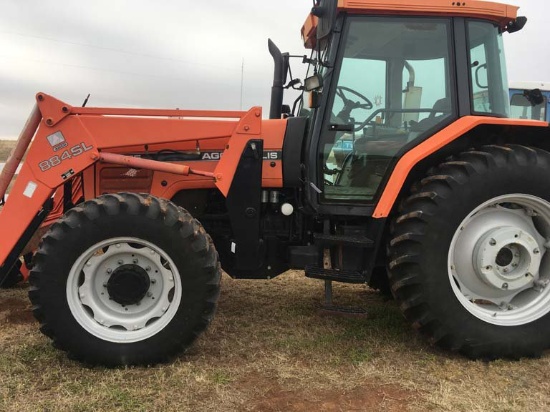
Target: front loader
column 399, row 168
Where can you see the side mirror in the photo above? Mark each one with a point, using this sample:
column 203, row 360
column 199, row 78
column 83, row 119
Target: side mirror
column 314, row 82
column 517, row 24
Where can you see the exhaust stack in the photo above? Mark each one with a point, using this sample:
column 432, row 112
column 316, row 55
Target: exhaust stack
column 280, row 61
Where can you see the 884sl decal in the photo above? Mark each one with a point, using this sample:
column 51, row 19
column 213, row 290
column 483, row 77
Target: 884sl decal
column 56, row 160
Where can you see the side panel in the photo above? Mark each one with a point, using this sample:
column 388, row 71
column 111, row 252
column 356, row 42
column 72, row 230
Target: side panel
column 243, row 205
column 204, row 155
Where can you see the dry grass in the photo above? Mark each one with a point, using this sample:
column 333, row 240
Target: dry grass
column 5, row 148
column 269, row 350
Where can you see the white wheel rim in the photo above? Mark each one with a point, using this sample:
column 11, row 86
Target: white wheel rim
column 95, row 310
column 498, row 266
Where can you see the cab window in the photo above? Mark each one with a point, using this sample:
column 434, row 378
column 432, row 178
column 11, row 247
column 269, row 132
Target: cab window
column 488, row 79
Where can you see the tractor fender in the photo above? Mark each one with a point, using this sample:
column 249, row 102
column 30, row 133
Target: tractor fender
column 432, row 145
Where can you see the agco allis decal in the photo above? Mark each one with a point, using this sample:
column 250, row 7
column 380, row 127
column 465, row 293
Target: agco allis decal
column 268, row 155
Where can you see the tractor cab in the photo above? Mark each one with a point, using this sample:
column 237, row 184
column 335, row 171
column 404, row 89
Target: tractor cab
column 385, row 83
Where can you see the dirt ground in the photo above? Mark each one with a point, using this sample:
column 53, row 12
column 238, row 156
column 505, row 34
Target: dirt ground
column 269, row 349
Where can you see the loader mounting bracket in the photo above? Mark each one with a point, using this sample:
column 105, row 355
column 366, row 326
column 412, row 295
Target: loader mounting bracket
column 52, row 109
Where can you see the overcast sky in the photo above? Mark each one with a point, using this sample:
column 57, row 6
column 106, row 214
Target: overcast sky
column 175, row 53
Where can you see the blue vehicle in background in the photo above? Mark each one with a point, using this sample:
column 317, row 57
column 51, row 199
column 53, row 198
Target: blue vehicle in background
column 530, row 100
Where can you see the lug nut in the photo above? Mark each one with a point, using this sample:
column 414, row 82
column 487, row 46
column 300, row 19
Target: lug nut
column 153, row 281
column 109, row 271
column 505, row 286
column 120, row 262
column 492, row 242
column 149, row 294
column 536, row 251
column 148, row 268
column 134, row 261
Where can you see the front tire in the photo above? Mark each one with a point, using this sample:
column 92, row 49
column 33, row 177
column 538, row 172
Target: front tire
column 125, row 279
column 468, row 254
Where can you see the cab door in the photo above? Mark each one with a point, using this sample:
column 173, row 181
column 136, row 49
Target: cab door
column 392, row 86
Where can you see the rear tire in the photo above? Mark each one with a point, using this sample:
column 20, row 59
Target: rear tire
column 468, row 253
column 125, row 279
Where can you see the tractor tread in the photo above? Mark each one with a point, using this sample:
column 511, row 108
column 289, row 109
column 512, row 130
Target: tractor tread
column 411, row 274
column 171, row 216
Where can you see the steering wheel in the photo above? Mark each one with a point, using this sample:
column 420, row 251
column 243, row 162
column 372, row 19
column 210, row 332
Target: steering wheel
column 349, row 104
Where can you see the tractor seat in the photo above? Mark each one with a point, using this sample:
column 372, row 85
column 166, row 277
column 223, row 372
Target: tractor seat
column 441, row 109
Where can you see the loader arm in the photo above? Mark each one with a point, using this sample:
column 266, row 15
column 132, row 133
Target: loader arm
column 68, row 140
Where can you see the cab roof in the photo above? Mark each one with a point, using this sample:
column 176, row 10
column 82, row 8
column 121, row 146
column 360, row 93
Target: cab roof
column 501, row 14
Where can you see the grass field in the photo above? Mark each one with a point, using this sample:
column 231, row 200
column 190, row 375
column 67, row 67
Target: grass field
column 269, row 349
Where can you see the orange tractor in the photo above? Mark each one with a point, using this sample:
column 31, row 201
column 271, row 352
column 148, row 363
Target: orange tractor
column 398, row 167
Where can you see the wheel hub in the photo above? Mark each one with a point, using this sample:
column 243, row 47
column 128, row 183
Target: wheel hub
column 124, row 289
column 507, row 258
column 128, row 284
